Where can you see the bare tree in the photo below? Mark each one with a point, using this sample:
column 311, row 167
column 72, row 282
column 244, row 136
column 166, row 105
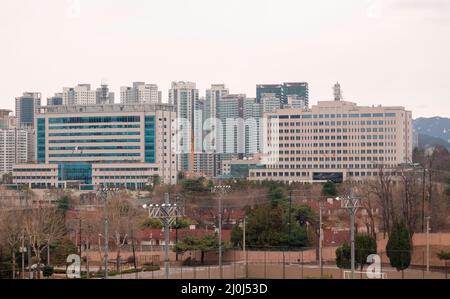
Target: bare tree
column 11, row 233
column 43, row 226
column 409, row 198
column 121, row 213
column 382, row 188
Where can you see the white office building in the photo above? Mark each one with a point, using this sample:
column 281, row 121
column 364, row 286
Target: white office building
column 335, row 140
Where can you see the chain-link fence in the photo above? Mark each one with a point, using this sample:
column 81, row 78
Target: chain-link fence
column 253, row 263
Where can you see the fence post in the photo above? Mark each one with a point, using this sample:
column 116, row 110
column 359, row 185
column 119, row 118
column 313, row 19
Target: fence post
column 284, row 266
column 234, row 264
column 302, row 266
column 265, row 264
column 246, row 264
column 423, row 265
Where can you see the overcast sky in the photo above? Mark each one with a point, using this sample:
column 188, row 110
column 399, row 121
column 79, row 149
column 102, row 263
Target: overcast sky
column 391, row 52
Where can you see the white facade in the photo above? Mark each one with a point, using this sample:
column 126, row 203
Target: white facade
column 270, row 102
column 79, row 95
column 335, row 140
column 185, row 97
column 140, row 93
column 13, row 149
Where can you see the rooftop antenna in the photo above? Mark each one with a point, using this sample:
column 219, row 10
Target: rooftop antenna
column 337, row 92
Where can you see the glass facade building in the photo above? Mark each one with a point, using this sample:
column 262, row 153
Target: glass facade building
column 81, row 139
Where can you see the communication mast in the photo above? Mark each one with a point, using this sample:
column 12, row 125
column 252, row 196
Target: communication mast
column 337, row 92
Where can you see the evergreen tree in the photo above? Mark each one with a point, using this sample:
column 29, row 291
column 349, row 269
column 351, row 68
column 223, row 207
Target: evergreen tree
column 329, row 189
column 399, row 247
column 343, row 256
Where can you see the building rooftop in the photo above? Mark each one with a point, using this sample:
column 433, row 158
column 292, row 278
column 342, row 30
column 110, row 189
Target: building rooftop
column 106, row 108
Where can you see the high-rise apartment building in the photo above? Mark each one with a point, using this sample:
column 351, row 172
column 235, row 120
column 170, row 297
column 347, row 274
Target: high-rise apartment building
column 239, row 134
column 26, row 107
column 270, row 102
column 56, row 100
column 335, row 140
column 82, row 94
column 13, row 143
column 104, row 96
column 185, row 97
column 140, row 93
column 102, row 145
column 283, row 91
column 79, row 95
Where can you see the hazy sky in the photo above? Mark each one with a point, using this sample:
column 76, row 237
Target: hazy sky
column 391, row 52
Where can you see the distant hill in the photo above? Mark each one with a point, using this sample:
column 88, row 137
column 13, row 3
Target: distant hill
column 433, row 131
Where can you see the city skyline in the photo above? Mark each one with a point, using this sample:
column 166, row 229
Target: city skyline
column 382, row 52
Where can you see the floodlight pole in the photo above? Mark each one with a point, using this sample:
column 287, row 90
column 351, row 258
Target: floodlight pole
column 352, row 204
column 167, row 214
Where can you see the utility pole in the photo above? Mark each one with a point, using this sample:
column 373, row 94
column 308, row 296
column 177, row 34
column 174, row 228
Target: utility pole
column 80, row 235
column 22, row 250
column 106, row 236
column 428, row 244
column 104, row 193
column 423, row 200
column 222, row 191
column 167, row 213
column 29, row 261
column 166, row 235
column 320, row 239
column 176, row 229
column 290, row 219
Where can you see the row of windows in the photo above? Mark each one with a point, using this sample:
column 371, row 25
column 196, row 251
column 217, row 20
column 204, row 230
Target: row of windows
column 332, row 123
column 33, row 170
column 94, row 134
column 125, row 169
column 95, row 141
column 353, row 115
column 100, row 119
column 33, row 177
column 95, row 127
column 94, row 155
column 345, row 144
column 325, row 158
column 326, row 166
column 81, row 148
column 306, row 174
column 132, row 177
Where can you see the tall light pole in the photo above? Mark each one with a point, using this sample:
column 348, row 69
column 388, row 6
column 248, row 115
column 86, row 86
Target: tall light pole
column 168, row 214
column 222, row 191
column 104, row 192
column 352, row 204
column 428, row 243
